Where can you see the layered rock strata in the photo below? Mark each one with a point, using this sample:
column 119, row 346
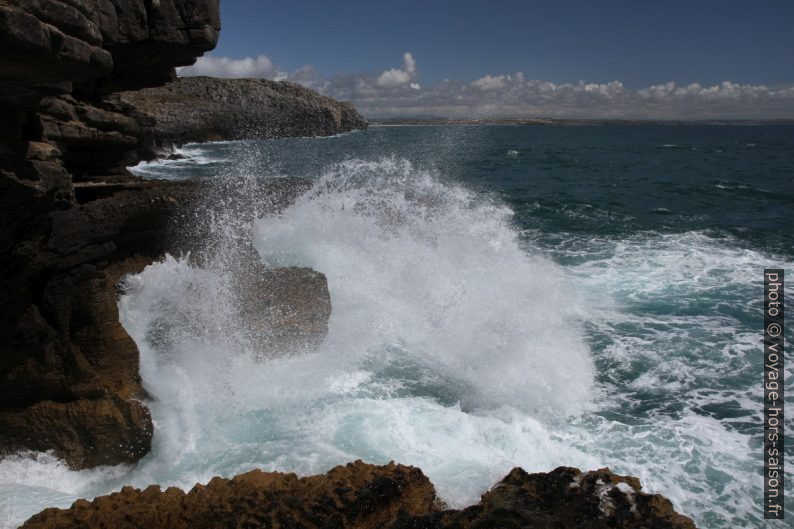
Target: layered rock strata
column 72, row 219
column 60, row 62
column 363, row 496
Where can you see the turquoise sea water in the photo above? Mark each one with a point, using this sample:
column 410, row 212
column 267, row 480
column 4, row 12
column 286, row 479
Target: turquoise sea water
column 502, row 296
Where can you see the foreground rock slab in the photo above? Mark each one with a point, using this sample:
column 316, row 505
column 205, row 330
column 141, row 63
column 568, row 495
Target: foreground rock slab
column 564, row 498
column 363, row 496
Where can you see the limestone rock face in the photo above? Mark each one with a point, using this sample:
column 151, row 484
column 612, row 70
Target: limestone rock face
column 72, row 219
column 60, row 61
column 363, row 496
column 68, row 371
column 111, row 44
column 204, row 108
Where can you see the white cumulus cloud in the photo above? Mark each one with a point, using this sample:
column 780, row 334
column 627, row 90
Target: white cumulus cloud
column 491, row 82
column 261, row 67
column 395, row 77
column 610, row 89
column 397, row 92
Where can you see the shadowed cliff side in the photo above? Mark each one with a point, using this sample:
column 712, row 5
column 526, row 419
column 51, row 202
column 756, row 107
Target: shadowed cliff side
column 72, row 219
column 195, row 109
column 365, row 496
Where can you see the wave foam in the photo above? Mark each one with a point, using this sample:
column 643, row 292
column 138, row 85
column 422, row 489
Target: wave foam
column 436, row 273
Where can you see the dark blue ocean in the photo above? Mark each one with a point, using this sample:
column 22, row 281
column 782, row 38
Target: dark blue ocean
column 502, row 296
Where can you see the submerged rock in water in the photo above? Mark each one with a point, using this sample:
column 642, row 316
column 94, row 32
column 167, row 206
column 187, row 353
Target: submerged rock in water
column 359, row 495
column 279, row 310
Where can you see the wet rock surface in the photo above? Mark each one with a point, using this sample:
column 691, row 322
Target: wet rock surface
column 285, row 310
column 73, row 220
column 365, row 496
column 564, row 498
column 69, row 371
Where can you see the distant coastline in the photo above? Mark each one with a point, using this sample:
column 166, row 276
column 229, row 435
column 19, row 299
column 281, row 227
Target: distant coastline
column 434, row 121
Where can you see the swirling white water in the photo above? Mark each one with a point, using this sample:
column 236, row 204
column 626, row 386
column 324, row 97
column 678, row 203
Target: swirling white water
column 457, row 344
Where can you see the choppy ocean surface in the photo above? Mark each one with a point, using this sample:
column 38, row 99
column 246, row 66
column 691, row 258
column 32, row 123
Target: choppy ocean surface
column 502, row 296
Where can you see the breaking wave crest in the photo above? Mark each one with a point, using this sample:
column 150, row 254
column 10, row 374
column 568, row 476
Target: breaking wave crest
column 455, row 344
column 449, row 347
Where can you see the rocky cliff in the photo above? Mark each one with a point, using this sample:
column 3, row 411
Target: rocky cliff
column 72, row 220
column 364, row 496
column 193, row 109
column 61, row 60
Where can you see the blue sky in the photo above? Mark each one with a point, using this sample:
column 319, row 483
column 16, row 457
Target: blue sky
column 333, row 46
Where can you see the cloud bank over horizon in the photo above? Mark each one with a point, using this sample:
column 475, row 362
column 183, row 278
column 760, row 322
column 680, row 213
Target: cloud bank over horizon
column 397, row 92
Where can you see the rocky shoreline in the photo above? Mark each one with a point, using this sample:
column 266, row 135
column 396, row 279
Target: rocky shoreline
column 364, row 496
column 74, row 220
column 88, row 88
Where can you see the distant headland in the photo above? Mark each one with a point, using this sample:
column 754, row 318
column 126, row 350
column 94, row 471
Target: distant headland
column 427, row 121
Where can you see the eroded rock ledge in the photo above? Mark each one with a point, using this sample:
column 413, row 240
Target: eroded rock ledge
column 363, row 496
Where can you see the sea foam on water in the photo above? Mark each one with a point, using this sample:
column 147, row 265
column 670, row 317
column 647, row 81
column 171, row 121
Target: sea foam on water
column 454, row 344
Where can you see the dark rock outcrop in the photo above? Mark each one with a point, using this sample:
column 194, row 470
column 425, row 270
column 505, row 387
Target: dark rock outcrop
column 363, row 496
column 285, row 310
column 61, row 60
column 70, row 378
column 72, row 219
column 564, row 498
column 194, row 109
column 69, row 372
